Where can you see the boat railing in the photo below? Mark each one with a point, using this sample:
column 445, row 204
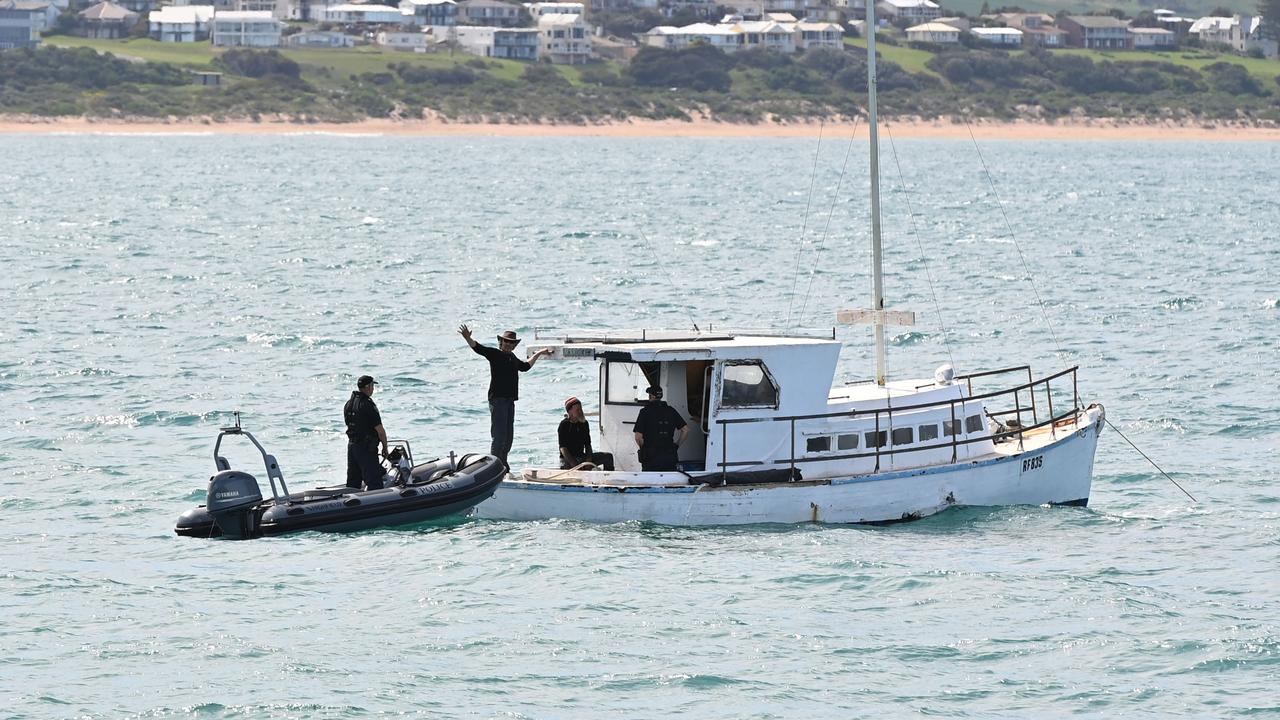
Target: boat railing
column 1008, row 416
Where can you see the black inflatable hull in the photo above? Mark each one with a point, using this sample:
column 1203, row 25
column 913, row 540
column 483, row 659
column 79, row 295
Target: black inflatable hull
column 436, row 492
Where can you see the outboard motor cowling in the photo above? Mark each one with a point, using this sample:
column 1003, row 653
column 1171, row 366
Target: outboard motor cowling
column 232, row 500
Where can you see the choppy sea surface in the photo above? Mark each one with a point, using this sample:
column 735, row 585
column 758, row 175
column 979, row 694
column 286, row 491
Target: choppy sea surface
column 154, row 285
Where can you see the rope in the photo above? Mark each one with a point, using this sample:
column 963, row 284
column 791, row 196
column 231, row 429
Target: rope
column 911, row 215
column 1148, row 459
column 804, row 225
column 823, row 241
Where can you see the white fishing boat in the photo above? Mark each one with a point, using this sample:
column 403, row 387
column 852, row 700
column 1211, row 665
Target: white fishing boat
column 773, row 439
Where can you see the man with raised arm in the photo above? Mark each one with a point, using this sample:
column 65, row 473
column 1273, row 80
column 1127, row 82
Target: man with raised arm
column 504, row 386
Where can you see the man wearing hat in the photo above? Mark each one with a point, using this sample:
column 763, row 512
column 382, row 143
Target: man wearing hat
column 504, row 386
column 575, row 439
column 364, row 434
column 656, row 428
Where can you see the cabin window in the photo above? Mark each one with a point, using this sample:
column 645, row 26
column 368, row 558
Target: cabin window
column 877, row 439
column 625, row 382
column 950, row 427
column 928, row 432
column 903, row 436
column 973, row 424
column 847, row 442
column 748, row 384
column 818, row 444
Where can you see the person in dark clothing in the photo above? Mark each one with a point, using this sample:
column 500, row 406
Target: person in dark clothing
column 504, row 386
column 656, row 427
column 575, row 439
column 364, row 435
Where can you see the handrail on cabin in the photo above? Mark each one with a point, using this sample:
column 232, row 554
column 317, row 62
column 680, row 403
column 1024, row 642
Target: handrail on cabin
column 1017, row 412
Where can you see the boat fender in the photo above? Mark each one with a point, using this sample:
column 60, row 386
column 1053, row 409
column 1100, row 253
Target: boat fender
column 232, row 500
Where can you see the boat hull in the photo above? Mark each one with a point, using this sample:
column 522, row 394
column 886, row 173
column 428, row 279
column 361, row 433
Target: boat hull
column 1058, row 472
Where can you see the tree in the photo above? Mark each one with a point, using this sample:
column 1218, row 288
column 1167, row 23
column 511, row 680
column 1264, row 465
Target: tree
column 1270, row 12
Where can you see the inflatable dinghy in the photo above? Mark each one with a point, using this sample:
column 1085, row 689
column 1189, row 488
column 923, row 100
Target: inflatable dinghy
column 236, row 509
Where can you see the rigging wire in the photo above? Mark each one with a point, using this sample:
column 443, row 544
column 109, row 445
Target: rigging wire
column 671, row 281
column 823, row 239
column 804, row 225
column 1009, row 227
column 1044, row 312
column 911, row 215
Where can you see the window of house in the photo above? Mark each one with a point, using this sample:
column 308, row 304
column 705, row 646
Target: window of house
column 817, row 444
column 877, row 439
column 748, row 384
column 950, row 427
column 973, row 424
column 847, row 442
column 928, row 432
column 903, row 436
column 559, row 34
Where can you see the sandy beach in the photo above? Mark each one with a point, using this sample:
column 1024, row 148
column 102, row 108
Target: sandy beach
column 1076, row 129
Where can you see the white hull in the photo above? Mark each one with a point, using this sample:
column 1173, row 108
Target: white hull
column 1053, row 471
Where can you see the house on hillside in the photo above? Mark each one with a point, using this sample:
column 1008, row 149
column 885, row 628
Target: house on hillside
column 320, row 39
column 934, row 32
column 403, row 41
column 538, row 9
column 819, row 34
column 1096, row 32
column 256, row 29
column 494, row 42
column 768, row 34
column 19, row 25
column 566, row 39
column 107, row 20
column 724, row 36
column 1213, row 30
column 369, row 14
column 1144, row 38
column 180, row 24
column 430, row 13
column 913, row 11
column 492, row 13
column 278, row 8
column 1037, row 29
column 1006, row 37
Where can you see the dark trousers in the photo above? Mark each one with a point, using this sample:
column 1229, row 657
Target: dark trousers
column 502, row 427
column 603, row 461
column 363, row 467
column 658, row 459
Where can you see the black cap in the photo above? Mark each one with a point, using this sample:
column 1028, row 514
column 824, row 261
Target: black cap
column 655, row 391
column 365, row 381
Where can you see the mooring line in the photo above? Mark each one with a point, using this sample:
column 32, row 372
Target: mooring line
column 1153, row 462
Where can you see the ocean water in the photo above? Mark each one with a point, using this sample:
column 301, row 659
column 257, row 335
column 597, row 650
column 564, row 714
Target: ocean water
column 154, row 285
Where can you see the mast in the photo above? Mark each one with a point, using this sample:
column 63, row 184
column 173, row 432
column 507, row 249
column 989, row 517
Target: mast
column 877, row 270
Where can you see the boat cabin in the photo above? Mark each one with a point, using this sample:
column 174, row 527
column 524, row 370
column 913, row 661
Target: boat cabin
column 760, row 402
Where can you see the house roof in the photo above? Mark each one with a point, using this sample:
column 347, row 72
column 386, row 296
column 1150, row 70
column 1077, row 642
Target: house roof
column 1150, row 31
column 1097, row 21
column 182, row 14
column 934, row 27
column 107, row 11
column 1212, row 23
column 766, row 27
column 996, row 31
column 559, row 19
column 349, row 7
column 244, row 15
column 904, row 4
column 819, row 26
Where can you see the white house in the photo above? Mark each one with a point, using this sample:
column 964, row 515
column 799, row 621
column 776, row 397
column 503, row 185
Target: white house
column 407, row 41
column 20, row 25
column 495, row 42
column 278, row 8
column 180, row 24
column 566, row 39
column 320, row 39
column 1001, row 36
column 726, row 37
column 430, row 13
column 1247, row 35
column 918, row 11
column 1145, row 38
column 231, row 28
column 1213, row 30
column 820, row 34
column 768, row 34
column 494, row 13
column 934, row 32
column 538, row 9
column 365, row 14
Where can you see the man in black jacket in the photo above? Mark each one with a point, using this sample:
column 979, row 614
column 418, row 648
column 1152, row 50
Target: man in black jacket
column 575, row 440
column 364, row 434
column 656, row 427
column 504, row 386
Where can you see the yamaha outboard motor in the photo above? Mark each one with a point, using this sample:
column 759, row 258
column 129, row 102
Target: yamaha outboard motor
column 232, row 501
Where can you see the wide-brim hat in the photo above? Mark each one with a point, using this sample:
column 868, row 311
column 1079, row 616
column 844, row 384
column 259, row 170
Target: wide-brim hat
column 509, row 336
